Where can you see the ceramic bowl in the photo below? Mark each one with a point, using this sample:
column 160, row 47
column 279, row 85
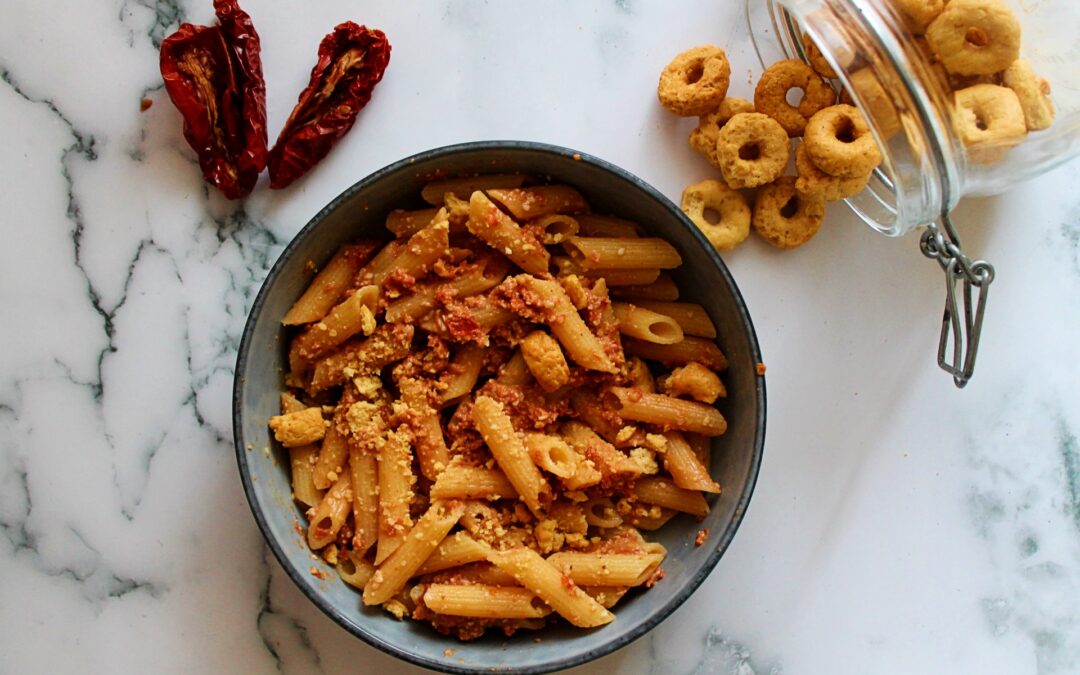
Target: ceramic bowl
column 359, row 212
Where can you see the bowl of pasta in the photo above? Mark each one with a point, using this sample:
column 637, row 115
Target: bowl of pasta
column 499, row 406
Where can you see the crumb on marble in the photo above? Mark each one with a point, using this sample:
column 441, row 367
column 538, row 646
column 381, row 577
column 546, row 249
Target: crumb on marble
column 145, row 104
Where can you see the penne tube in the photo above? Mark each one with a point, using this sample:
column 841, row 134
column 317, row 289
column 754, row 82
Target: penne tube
column 614, row 277
column 499, row 231
column 498, row 433
column 691, row 317
column 346, row 319
column 490, row 271
column 395, row 493
column 526, row 203
column 462, row 374
column 589, row 409
column 600, row 512
column 331, row 461
column 606, row 596
column 566, row 324
column 484, row 602
column 329, row 514
column 392, row 575
column 466, row 325
column 381, row 265
column 302, row 464
column 610, row 462
column 543, row 579
column 663, row 289
column 670, row 412
column 407, row 223
column 413, row 258
column 650, row 522
column 552, row 454
column 663, row 492
column 555, row 228
column 592, row 225
column 354, row 570
column 463, row 188
column 682, row 463
column 388, row 344
column 606, row 569
column 690, row 349
column 484, row 574
column 329, row 284
column 702, row 446
column 458, row 481
column 622, row 253
column 454, row 551
column 646, row 324
column 545, row 360
column 640, row 375
column 515, row 371
column 428, row 439
column 364, row 470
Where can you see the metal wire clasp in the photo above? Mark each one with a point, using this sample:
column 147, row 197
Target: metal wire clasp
column 942, row 244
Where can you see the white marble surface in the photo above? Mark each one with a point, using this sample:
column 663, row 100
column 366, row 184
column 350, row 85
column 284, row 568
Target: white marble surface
column 899, row 525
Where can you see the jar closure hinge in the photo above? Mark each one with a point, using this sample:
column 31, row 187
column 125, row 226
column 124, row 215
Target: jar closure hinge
column 963, row 319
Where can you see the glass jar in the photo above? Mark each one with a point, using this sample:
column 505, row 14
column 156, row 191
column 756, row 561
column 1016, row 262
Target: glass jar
column 945, row 127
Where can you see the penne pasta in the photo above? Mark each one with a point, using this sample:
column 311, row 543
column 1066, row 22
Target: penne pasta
column 413, row 258
column 554, row 228
column 364, row 470
column 462, row 374
column 565, row 323
column 388, row 344
column 301, row 459
column 646, row 324
column 690, row 349
column 498, row 432
column 490, row 602
column 458, row 481
column 666, row 411
column 614, row 277
column 691, row 317
column 329, row 284
column 354, row 570
column 606, row 596
column 329, row 514
column 345, row 320
column 639, row 374
column 612, row 464
column 702, row 446
column 663, row 492
column 331, row 460
column 501, row 233
column 552, row 454
column 600, row 512
column 407, row 223
column 392, row 575
column 622, row 253
column 526, row 203
column 606, row 569
column 462, row 188
column 454, row 551
column 663, row 289
column 515, row 371
column 489, row 273
column 651, row 522
column 592, row 225
column 395, row 493
column 428, row 439
column 543, row 579
column 684, row 466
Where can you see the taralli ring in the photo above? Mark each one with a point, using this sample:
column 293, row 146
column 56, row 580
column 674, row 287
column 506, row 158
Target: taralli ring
column 814, row 181
column 752, row 149
column 1034, row 95
column 975, row 37
column 784, row 217
column 770, row 95
column 838, row 141
column 703, row 137
column 990, row 116
column 695, row 82
column 917, row 14
column 733, row 225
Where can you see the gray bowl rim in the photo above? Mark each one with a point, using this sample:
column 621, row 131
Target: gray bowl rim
column 618, row 641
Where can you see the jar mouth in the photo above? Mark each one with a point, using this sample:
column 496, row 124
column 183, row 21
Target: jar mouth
column 911, row 187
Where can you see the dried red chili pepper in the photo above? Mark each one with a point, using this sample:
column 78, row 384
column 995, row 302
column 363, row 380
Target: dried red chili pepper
column 351, row 62
column 214, row 77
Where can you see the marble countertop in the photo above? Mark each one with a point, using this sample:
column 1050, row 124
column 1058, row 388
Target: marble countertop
column 899, row 525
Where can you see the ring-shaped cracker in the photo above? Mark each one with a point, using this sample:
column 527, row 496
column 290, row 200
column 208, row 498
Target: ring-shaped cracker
column 784, row 217
column 1034, row 95
column 734, row 224
column 918, row 14
column 838, row 141
column 695, row 82
column 703, row 136
column 989, row 120
column 975, row 37
column 770, row 95
column 752, row 149
column 814, row 181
